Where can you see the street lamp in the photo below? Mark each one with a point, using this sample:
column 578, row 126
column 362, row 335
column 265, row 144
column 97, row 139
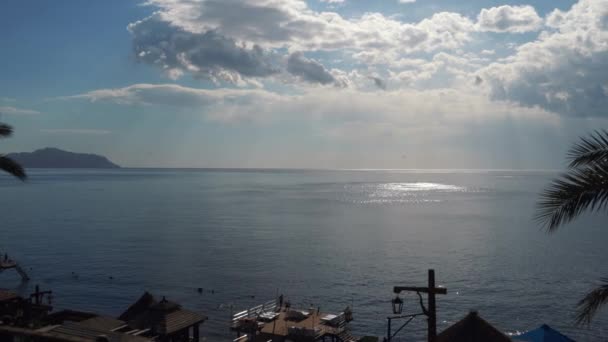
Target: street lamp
column 431, row 312
column 397, row 305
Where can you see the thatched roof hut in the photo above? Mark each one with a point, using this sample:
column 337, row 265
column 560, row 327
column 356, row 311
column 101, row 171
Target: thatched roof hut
column 472, row 328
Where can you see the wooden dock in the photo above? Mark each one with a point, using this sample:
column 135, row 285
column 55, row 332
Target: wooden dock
column 269, row 322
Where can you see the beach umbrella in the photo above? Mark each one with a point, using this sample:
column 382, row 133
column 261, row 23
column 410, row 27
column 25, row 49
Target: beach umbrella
column 543, row 334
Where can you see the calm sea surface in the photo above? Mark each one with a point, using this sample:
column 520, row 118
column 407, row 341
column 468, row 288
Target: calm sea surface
column 326, row 238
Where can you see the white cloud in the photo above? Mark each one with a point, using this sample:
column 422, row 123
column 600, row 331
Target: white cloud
column 75, row 131
column 509, row 19
column 173, row 95
column 237, row 41
column 232, row 39
column 565, row 70
column 17, row 111
column 399, row 106
column 407, row 1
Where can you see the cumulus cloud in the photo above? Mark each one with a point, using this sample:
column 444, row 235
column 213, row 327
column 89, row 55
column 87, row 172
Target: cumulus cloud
column 564, row 70
column 207, row 55
column 308, row 69
column 509, row 19
column 291, row 23
column 238, row 41
column 17, row 111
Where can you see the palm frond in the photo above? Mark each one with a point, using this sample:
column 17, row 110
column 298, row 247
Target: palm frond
column 10, row 166
column 5, row 130
column 574, row 192
column 589, row 150
column 591, row 303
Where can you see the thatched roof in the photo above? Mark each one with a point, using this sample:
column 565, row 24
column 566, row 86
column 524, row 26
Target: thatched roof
column 472, row 328
column 142, row 304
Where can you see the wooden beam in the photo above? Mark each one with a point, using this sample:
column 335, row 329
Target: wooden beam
column 436, row 290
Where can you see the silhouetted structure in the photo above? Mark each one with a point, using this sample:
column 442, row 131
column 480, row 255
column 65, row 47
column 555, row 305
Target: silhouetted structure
column 472, row 328
column 544, row 333
column 23, row 312
column 166, row 320
column 146, row 320
column 431, row 312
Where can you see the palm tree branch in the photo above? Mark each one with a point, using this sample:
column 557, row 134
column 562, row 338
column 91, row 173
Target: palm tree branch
column 5, row 130
column 574, row 192
column 10, row 166
column 591, row 303
column 589, row 150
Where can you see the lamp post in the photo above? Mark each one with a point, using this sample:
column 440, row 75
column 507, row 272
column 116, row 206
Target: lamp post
column 430, row 313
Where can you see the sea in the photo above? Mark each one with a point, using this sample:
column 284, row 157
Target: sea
column 327, row 239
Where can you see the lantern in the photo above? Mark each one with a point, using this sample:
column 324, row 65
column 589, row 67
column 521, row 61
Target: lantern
column 397, row 305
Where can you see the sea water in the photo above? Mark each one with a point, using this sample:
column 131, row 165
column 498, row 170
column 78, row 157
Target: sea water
column 330, row 239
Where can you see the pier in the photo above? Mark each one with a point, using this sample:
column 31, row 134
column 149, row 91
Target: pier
column 275, row 321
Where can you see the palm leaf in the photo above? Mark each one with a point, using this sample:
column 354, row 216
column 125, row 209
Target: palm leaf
column 5, row 130
column 577, row 190
column 593, row 149
column 10, row 166
column 591, row 303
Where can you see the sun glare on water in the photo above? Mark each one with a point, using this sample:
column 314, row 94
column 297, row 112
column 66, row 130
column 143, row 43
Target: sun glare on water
column 421, row 186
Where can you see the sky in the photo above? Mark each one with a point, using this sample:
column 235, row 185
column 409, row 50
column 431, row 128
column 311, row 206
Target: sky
column 397, row 84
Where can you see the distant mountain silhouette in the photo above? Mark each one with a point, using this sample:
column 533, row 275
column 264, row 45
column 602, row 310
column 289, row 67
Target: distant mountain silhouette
column 54, row 158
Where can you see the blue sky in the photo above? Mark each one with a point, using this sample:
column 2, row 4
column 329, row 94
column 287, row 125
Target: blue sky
column 319, row 84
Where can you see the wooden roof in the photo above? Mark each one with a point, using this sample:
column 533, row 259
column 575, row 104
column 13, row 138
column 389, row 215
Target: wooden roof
column 70, row 329
column 141, row 305
column 163, row 318
column 472, row 328
column 70, row 332
column 102, row 323
column 6, row 295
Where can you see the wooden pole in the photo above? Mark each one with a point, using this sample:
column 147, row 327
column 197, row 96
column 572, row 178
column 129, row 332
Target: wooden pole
column 432, row 319
column 196, row 333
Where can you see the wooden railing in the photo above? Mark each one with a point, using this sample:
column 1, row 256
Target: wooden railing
column 254, row 312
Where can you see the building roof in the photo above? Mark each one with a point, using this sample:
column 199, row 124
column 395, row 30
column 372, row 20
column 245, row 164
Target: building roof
column 68, row 315
column 142, row 304
column 78, row 330
column 71, row 332
column 102, row 323
column 163, row 318
column 472, row 328
column 6, row 295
